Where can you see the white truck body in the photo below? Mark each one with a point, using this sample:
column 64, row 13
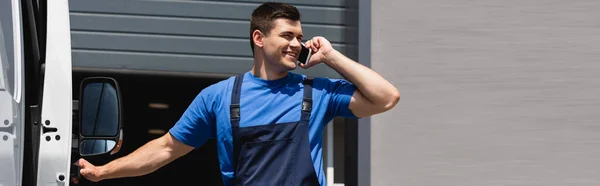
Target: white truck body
column 55, row 147
column 11, row 94
column 47, row 160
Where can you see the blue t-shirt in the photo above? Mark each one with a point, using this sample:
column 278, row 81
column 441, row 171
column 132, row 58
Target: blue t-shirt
column 262, row 102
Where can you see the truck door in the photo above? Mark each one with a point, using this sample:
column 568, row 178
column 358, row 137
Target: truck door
column 11, row 94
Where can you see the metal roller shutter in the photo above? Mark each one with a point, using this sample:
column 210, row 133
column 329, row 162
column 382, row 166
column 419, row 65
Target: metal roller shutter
column 205, row 37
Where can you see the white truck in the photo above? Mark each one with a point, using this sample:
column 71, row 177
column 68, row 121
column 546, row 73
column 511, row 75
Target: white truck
column 43, row 130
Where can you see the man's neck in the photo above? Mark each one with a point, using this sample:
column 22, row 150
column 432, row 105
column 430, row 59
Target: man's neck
column 262, row 70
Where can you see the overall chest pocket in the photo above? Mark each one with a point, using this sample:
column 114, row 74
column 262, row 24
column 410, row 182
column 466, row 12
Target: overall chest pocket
column 270, row 162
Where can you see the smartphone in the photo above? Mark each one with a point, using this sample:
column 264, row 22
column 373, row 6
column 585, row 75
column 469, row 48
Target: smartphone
column 304, row 55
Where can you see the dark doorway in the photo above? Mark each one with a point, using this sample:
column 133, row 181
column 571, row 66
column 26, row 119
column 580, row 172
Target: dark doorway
column 152, row 104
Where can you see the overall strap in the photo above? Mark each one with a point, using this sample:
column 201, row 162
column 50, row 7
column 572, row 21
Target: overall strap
column 307, row 99
column 234, row 108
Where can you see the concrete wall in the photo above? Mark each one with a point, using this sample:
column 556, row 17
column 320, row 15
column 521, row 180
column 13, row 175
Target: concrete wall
column 494, row 93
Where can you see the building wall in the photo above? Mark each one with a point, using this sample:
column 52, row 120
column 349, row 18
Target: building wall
column 192, row 36
column 494, row 93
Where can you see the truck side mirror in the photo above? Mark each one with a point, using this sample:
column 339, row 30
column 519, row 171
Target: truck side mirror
column 100, row 127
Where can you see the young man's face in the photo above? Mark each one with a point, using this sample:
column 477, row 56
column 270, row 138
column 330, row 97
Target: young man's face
column 282, row 44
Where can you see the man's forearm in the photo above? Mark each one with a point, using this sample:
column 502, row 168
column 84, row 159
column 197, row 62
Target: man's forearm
column 142, row 161
column 372, row 85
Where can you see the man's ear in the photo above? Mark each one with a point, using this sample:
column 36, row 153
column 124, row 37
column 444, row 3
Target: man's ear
column 257, row 37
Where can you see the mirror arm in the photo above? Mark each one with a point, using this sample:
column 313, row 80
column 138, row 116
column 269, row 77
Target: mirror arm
column 75, row 115
column 74, row 133
column 75, row 141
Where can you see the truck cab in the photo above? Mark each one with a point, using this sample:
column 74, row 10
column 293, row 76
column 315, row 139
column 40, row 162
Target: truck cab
column 43, row 130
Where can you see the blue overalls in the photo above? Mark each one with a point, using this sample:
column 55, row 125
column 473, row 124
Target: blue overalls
column 272, row 154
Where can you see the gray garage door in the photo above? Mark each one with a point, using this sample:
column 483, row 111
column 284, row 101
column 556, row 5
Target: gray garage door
column 191, row 36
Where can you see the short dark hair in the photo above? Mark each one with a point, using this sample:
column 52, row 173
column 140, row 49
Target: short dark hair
column 264, row 15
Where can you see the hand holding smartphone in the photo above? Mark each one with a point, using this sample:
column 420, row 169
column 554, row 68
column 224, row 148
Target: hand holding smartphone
column 305, row 54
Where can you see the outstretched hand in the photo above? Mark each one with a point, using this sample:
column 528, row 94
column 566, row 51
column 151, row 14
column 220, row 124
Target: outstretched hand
column 88, row 170
column 320, row 47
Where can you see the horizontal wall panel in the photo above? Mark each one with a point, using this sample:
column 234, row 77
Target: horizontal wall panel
column 177, row 63
column 166, row 44
column 333, row 3
column 191, row 26
column 204, row 9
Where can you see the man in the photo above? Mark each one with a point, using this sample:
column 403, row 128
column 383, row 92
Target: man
column 268, row 122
